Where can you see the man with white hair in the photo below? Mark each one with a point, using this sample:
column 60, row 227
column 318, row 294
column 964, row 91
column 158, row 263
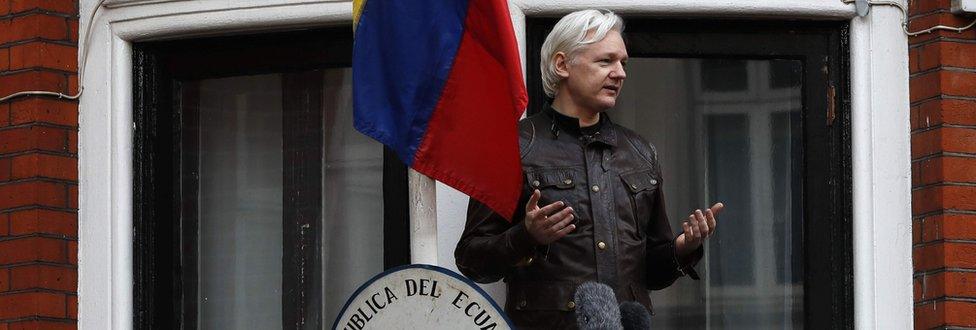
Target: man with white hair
column 594, row 207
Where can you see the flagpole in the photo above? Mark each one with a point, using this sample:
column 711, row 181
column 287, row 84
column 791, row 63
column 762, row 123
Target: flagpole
column 423, row 218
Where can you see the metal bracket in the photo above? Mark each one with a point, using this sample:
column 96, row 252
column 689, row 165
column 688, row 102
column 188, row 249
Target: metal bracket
column 863, row 7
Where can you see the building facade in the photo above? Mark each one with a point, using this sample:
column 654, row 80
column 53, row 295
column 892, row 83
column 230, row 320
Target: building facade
column 209, row 175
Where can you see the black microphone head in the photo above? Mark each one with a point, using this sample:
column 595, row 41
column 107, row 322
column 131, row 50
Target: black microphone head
column 596, row 307
column 633, row 316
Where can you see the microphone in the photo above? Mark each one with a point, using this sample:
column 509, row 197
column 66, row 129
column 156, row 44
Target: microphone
column 596, row 307
column 633, row 316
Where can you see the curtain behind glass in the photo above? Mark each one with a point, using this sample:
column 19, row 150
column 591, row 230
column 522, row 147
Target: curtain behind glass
column 241, row 201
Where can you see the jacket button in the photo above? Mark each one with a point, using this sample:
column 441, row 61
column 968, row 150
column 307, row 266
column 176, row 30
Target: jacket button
column 601, row 245
column 568, row 181
column 653, row 181
column 595, row 188
column 522, row 304
column 571, row 304
column 634, row 186
column 529, row 262
column 535, row 183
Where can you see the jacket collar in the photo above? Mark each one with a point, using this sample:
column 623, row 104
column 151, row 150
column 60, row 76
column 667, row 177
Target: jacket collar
column 601, row 132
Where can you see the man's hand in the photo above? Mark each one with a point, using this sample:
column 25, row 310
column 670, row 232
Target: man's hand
column 699, row 226
column 545, row 224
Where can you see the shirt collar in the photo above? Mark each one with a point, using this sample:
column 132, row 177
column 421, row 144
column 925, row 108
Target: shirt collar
column 599, row 132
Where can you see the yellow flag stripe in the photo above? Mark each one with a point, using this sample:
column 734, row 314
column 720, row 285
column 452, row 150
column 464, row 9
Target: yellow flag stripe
column 357, row 9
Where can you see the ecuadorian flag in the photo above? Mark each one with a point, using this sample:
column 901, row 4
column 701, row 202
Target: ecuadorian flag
column 440, row 83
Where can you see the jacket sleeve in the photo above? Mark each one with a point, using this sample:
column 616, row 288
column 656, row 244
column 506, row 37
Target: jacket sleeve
column 663, row 264
column 491, row 247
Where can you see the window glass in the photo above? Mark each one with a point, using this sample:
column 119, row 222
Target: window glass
column 245, row 159
column 727, row 130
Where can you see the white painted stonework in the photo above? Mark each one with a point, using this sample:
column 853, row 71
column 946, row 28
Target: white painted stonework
column 879, row 74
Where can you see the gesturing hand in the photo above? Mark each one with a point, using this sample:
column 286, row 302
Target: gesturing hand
column 545, row 224
column 699, row 226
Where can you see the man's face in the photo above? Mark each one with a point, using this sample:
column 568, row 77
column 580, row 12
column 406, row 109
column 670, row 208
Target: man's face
column 596, row 74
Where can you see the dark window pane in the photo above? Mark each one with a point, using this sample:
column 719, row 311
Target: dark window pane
column 722, row 75
column 785, row 73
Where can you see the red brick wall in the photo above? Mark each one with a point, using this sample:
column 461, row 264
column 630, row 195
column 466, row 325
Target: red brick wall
column 38, row 166
column 943, row 121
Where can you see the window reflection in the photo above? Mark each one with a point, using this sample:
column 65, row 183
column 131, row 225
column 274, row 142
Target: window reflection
column 727, row 130
column 243, row 189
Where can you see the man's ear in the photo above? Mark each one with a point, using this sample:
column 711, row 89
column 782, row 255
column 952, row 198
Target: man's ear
column 561, row 64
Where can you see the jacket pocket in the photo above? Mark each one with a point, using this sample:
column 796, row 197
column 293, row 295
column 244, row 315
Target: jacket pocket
column 641, row 186
column 541, row 296
column 557, row 184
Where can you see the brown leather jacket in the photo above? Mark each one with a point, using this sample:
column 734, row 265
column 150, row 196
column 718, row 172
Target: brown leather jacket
column 611, row 178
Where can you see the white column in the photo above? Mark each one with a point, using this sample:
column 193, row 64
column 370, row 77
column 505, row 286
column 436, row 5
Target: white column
column 423, row 219
column 882, row 171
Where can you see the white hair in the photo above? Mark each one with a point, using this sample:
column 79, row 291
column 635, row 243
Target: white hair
column 569, row 36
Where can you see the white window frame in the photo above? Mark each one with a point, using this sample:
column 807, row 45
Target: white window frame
column 880, row 133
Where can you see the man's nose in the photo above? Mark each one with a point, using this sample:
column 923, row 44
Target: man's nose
column 618, row 72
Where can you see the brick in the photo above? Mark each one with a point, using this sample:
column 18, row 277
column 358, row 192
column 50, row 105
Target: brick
column 928, row 56
column 947, row 19
column 73, row 252
column 935, row 112
column 34, row 165
column 29, row 249
column 44, row 325
column 44, row 109
column 46, row 55
column 4, row 10
column 62, row 278
column 924, row 86
column 33, row 80
column 917, row 288
column 73, row 141
column 949, row 226
column 66, row 7
column 957, row 54
column 4, row 114
column 27, row 304
column 935, row 198
column 73, row 30
column 949, row 284
column 943, row 139
column 4, row 224
column 4, row 59
column 5, row 174
column 33, row 26
column 944, row 169
column 30, row 138
column 73, row 196
column 913, row 58
column 72, row 84
column 72, row 301
column 922, row 7
column 930, row 315
column 30, row 193
column 4, row 279
column 958, row 112
column 960, row 313
column 916, row 231
column 44, row 221
column 944, row 254
column 956, row 83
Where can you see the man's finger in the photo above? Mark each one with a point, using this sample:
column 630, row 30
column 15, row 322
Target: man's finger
column 691, row 227
column 548, row 210
column 717, row 208
column 553, row 220
column 564, row 231
column 533, row 201
column 710, row 216
column 702, row 223
column 563, row 222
